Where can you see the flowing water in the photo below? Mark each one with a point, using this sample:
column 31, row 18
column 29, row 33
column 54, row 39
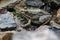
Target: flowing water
column 36, row 35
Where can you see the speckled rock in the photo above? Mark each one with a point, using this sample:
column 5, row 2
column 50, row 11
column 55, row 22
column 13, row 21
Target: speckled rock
column 7, row 21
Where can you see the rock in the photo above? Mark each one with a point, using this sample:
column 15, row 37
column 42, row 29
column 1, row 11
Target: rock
column 7, row 22
column 21, row 4
column 43, row 27
column 5, row 35
column 4, row 3
column 34, row 4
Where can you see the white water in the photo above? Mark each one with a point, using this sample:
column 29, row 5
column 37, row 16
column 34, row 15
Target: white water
column 35, row 35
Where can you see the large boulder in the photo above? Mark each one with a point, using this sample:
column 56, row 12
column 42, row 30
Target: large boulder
column 7, row 22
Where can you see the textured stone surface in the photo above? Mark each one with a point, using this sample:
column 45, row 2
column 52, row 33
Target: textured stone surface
column 5, row 35
column 7, row 21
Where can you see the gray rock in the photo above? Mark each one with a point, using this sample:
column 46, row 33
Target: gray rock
column 34, row 4
column 7, row 21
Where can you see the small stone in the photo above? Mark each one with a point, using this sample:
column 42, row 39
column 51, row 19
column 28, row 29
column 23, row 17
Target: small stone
column 5, row 35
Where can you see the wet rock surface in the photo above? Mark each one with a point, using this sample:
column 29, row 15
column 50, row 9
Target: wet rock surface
column 7, row 22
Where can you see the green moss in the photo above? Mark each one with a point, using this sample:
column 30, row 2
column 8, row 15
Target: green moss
column 19, row 16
